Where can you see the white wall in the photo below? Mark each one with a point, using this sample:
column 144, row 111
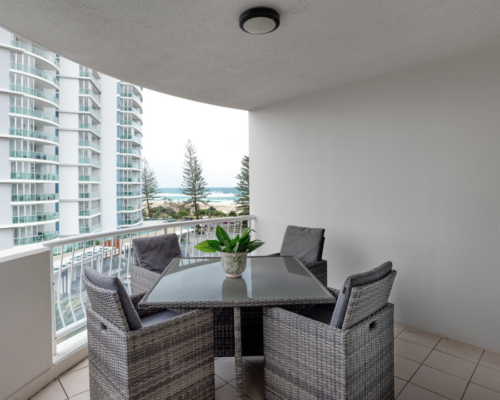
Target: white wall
column 403, row 168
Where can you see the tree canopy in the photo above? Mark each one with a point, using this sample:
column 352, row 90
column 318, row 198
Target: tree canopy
column 243, row 197
column 194, row 185
column 149, row 186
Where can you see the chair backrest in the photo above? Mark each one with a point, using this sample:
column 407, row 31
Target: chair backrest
column 109, row 298
column 304, row 243
column 157, row 252
column 362, row 295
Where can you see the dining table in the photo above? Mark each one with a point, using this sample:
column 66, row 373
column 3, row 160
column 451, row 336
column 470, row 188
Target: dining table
column 268, row 281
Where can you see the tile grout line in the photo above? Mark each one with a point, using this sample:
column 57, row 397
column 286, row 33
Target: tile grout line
column 473, row 372
column 403, row 388
column 64, row 390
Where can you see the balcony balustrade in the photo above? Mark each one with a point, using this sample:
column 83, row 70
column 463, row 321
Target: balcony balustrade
column 134, row 138
column 129, row 194
column 90, row 128
column 91, row 93
column 89, row 161
column 130, row 165
column 89, row 195
column 89, row 74
column 88, row 213
column 133, row 207
column 129, row 179
column 33, row 92
column 34, row 155
column 131, row 221
column 131, row 123
column 130, row 151
column 39, row 217
column 41, row 237
column 35, row 71
column 33, row 113
column 91, row 229
column 131, row 96
column 34, row 176
column 33, row 134
column 35, row 197
column 131, row 109
column 89, row 178
column 88, row 143
column 36, row 50
column 95, row 113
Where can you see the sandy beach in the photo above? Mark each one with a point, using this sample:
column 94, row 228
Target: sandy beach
column 225, row 207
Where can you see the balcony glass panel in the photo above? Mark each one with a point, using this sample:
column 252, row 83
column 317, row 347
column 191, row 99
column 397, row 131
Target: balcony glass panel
column 88, row 143
column 34, row 71
column 34, row 113
column 88, row 74
column 130, row 165
column 131, row 221
column 91, row 128
column 88, row 213
column 132, row 96
column 131, row 123
column 34, row 92
column 89, row 92
column 40, row 217
column 42, row 237
column 89, row 178
column 36, row 50
column 130, row 151
column 89, row 195
column 130, row 194
column 37, row 176
column 131, row 137
column 33, row 134
column 129, row 179
column 92, row 112
column 130, row 208
column 89, row 161
column 91, row 229
column 34, row 154
column 35, row 197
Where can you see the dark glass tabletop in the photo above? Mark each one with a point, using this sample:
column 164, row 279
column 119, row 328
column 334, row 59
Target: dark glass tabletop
column 266, row 281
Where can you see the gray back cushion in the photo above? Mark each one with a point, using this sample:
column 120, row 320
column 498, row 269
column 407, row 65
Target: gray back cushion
column 304, row 243
column 113, row 283
column 364, row 278
column 156, row 253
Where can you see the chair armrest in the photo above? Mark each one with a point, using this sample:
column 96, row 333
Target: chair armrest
column 136, row 298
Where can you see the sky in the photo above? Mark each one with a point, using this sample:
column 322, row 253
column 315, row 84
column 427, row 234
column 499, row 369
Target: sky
column 219, row 134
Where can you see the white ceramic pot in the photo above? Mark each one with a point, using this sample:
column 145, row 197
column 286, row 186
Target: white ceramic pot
column 233, row 264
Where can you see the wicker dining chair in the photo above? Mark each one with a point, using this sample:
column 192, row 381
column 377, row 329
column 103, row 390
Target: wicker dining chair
column 152, row 255
column 307, row 245
column 142, row 354
column 341, row 352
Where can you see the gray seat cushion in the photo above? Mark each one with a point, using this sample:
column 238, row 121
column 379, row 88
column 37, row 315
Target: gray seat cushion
column 158, row 317
column 364, row 278
column 156, row 253
column 113, row 283
column 304, row 243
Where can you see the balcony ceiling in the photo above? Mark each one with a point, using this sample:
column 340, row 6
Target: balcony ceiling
column 196, row 50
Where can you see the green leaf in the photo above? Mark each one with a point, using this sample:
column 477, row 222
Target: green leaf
column 222, row 235
column 230, row 248
column 208, row 246
column 254, row 245
column 247, row 233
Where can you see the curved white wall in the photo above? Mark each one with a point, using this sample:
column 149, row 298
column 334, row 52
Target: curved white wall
column 403, row 168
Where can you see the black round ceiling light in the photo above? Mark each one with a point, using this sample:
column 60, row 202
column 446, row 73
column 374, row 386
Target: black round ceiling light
column 260, row 20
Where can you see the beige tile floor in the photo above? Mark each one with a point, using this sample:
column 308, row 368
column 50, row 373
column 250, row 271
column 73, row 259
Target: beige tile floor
column 427, row 367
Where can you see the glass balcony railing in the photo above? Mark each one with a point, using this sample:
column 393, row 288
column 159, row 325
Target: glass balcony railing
column 88, row 74
column 90, row 161
column 134, row 138
column 40, row 217
column 90, row 93
column 131, row 221
column 36, row 50
column 130, row 208
column 88, row 143
column 34, row 71
column 91, row 128
column 130, row 151
column 129, row 179
column 133, row 124
column 35, row 197
column 92, row 112
column 34, row 176
column 33, row 113
column 89, row 195
column 42, row 237
column 93, row 228
column 34, row 92
column 34, row 155
column 33, row 134
column 131, row 96
column 129, row 194
column 89, row 178
column 88, row 213
column 131, row 109
column 130, row 165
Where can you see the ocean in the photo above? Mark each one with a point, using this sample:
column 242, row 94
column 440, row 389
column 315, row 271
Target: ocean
column 218, row 195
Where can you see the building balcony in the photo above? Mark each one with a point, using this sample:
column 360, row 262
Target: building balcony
column 89, row 161
column 129, row 194
column 91, row 229
column 89, row 178
column 92, row 111
column 41, row 237
column 34, row 176
column 34, row 113
column 133, row 97
column 89, row 213
column 134, row 138
column 33, row 134
column 35, row 92
column 88, row 143
column 37, row 72
column 91, row 128
column 35, row 155
column 95, row 96
column 38, row 51
column 89, row 195
column 133, row 207
column 134, row 221
column 39, row 217
column 130, row 151
column 129, row 179
column 35, row 197
column 133, row 124
column 129, row 165
column 90, row 75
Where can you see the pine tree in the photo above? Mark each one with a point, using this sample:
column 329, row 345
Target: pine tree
column 194, row 185
column 149, row 186
column 243, row 198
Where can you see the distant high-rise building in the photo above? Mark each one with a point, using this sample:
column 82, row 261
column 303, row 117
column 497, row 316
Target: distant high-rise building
column 70, row 147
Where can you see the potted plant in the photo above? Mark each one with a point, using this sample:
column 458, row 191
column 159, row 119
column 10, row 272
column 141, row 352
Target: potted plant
column 233, row 251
